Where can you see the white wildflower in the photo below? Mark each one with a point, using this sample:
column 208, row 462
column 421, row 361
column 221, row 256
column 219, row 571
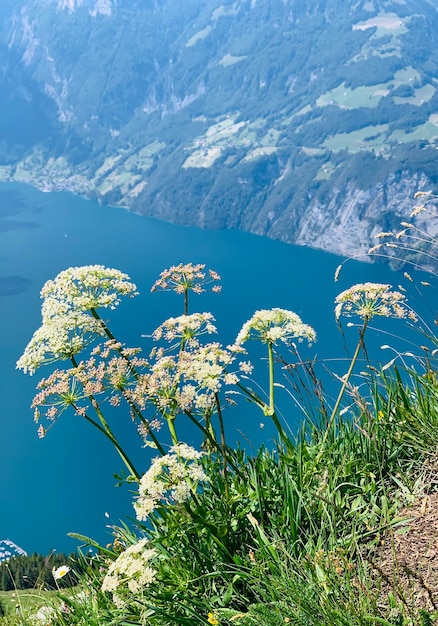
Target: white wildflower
column 60, row 572
column 185, row 327
column 131, row 570
column 84, row 288
column 273, row 325
column 171, row 477
column 369, row 299
column 59, row 338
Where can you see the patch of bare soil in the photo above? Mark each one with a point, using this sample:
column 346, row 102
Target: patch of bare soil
column 407, row 563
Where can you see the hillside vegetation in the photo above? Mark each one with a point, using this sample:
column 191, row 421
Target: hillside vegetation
column 310, row 122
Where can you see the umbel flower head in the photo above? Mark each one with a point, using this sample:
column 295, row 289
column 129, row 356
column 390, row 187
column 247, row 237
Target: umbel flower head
column 84, row 288
column 186, row 328
column 59, row 338
column 67, row 326
column 273, row 325
column 170, row 478
column 369, row 299
column 130, row 571
column 187, row 277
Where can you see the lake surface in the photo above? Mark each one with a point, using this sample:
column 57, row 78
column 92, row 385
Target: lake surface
column 65, row 482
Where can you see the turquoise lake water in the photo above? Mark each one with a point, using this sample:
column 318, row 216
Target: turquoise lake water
column 65, row 482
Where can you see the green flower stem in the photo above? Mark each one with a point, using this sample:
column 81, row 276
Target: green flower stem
column 252, row 396
column 134, row 408
column 223, row 443
column 113, row 439
column 359, row 347
column 186, row 301
column 170, row 419
column 209, row 425
column 271, row 378
column 107, row 331
column 208, row 436
column 214, row 443
column 107, row 431
column 109, row 435
column 109, row 334
column 270, row 410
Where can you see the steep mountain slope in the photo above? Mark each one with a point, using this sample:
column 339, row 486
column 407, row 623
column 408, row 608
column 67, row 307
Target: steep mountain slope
column 312, row 122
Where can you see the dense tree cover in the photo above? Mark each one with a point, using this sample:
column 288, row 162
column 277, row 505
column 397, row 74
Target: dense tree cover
column 27, row 572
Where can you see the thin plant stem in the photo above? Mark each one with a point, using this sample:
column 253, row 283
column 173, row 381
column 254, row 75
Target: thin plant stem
column 270, row 410
column 252, row 396
column 223, row 444
column 110, row 436
column 170, row 419
column 359, row 347
column 106, row 430
column 134, row 408
column 186, row 301
column 271, row 378
column 212, row 440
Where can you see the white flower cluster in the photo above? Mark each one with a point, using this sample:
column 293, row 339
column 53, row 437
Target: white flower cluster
column 59, row 338
column 206, row 367
column 369, row 299
column 171, row 477
column 45, row 615
column 87, row 287
column 186, row 328
column 273, row 325
column 188, row 381
column 67, row 327
column 187, row 277
column 130, row 570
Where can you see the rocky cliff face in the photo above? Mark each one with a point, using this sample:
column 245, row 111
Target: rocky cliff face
column 314, row 123
column 361, row 214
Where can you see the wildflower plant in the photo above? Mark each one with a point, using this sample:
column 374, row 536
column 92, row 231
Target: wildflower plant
column 211, row 521
column 85, row 288
column 173, row 477
column 184, row 278
column 131, row 572
column 60, row 572
column 367, row 300
column 272, row 327
column 59, row 338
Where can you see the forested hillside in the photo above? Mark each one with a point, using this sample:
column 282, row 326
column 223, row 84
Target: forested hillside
column 312, row 122
column 30, row 571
